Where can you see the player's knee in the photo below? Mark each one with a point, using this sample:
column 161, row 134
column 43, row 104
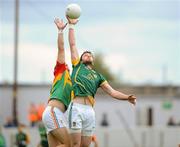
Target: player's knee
column 76, row 144
column 85, row 143
column 67, row 144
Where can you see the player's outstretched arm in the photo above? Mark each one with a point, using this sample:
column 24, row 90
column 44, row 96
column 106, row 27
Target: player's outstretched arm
column 71, row 38
column 61, row 54
column 118, row 95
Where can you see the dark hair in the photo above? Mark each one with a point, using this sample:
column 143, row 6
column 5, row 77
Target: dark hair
column 85, row 53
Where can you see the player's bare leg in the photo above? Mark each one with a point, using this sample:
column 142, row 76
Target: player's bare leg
column 76, row 139
column 86, row 141
column 61, row 134
column 52, row 140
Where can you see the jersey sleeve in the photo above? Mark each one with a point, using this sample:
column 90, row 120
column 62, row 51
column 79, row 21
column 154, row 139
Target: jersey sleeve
column 102, row 80
column 59, row 68
column 75, row 62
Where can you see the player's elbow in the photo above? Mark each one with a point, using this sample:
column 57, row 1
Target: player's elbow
column 72, row 44
column 61, row 46
column 74, row 57
column 61, row 49
column 113, row 94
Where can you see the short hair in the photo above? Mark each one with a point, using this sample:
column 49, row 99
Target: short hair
column 85, row 53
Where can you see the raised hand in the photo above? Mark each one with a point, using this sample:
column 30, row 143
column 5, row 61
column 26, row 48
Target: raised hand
column 60, row 24
column 132, row 99
column 72, row 21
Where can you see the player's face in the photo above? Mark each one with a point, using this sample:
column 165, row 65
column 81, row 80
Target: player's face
column 87, row 58
column 19, row 128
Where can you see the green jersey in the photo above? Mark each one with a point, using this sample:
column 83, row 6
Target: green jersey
column 85, row 81
column 2, row 141
column 21, row 139
column 62, row 85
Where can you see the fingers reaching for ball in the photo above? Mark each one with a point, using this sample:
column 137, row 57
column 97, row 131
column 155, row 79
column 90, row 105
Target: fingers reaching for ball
column 60, row 24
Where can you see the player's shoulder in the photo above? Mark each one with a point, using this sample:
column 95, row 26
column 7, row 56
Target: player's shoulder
column 76, row 62
column 96, row 72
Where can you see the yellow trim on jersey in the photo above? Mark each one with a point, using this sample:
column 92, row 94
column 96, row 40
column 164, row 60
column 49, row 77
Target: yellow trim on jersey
column 58, row 77
column 67, row 79
column 76, row 77
column 72, row 95
column 91, row 100
column 103, row 83
column 75, row 62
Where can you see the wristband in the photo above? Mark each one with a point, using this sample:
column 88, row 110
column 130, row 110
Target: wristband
column 60, row 31
column 71, row 26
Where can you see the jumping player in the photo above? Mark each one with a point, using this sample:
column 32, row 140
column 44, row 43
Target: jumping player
column 86, row 81
column 60, row 97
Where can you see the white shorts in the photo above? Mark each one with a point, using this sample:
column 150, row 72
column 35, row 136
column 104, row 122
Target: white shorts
column 81, row 119
column 53, row 118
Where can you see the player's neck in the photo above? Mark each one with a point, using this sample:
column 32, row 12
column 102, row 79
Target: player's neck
column 89, row 66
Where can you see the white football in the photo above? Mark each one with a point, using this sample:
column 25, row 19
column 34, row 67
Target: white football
column 73, row 11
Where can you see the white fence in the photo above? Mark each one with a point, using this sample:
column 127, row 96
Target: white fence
column 117, row 137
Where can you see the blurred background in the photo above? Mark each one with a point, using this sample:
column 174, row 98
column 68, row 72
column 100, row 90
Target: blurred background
column 136, row 44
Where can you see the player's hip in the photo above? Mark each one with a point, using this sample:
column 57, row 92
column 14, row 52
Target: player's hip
column 53, row 118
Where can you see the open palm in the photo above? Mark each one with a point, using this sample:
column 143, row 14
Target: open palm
column 60, row 24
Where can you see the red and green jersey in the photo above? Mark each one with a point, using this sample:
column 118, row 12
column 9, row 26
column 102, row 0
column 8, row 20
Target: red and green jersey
column 62, row 85
column 85, row 81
